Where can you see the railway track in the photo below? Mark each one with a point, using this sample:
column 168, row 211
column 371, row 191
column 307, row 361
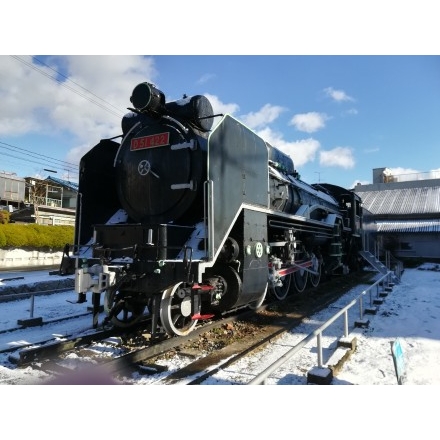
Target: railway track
column 49, row 352
column 28, row 286
column 206, row 351
column 271, row 324
column 8, row 297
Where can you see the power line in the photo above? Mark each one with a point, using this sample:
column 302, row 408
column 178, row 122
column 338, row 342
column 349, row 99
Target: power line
column 87, row 94
column 51, row 160
column 63, row 83
column 66, row 166
column 30, row 156
column 70, row 80
column 38, row 163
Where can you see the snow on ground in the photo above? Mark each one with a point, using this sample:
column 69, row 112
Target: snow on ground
column 410, row 314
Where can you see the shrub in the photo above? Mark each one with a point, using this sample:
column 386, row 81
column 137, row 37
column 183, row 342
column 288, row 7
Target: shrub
column 2, row 239
column 32, row 236
column 15, row 236
column 4, row 217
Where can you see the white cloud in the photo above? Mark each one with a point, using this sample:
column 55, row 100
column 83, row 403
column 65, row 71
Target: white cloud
column 28, row 92
column 38, row 100
column 205, row 78
column 220, row 107
column 301, row 151
column 351, row 111
column 337, row 157
column 16, row 125
column 337, row 95
column 359, row 182
column 371, row 150
column 267, row 114
column 78, row 152
column 309, row 122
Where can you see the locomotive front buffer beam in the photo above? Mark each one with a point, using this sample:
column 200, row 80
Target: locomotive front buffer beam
column 96, row 279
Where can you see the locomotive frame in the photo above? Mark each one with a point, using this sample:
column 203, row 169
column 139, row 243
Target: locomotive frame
column 238, row 224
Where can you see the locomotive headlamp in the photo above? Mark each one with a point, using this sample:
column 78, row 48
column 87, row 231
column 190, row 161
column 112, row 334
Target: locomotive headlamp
column 146, row 98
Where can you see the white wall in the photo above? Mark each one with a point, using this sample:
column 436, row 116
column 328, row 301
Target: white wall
column 19, row 258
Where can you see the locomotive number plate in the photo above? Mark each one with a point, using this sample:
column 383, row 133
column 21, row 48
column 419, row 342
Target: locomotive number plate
column 154, row 140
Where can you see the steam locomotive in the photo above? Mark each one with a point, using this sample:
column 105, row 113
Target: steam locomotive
column 181, row 221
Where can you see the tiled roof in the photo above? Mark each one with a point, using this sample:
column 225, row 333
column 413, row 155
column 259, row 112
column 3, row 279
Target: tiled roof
column 423, row 200
column 71, row 185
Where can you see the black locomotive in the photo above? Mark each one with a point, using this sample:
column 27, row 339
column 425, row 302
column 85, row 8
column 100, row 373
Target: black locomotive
column 181, row 221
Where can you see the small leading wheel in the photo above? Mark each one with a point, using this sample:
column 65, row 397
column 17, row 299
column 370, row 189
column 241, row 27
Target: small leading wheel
column 280, row 292
column 300, row 280
column 122, row 309
column 257, row 303
column 175, row 312
column 316, row 267
column 227, row 284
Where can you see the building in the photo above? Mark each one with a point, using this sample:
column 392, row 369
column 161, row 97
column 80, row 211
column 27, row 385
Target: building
column 406, row 211
column 12, row 191
column 51, row 201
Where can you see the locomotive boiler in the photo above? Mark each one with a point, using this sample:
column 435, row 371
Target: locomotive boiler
column 183, row 220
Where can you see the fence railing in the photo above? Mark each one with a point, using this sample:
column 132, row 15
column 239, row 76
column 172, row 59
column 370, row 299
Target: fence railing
column 373, row 293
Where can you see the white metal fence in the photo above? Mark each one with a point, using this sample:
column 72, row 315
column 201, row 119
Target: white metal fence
column 365, row 301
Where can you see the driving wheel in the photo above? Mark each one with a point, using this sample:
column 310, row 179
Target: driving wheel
column 300, row 279
column 280, row 292
column 316, row 267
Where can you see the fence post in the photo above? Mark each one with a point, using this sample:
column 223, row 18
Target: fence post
column 31, row 321
column 319, row 340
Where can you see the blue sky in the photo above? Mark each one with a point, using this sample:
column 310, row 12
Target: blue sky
column 338, row 117
column 346, row 94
